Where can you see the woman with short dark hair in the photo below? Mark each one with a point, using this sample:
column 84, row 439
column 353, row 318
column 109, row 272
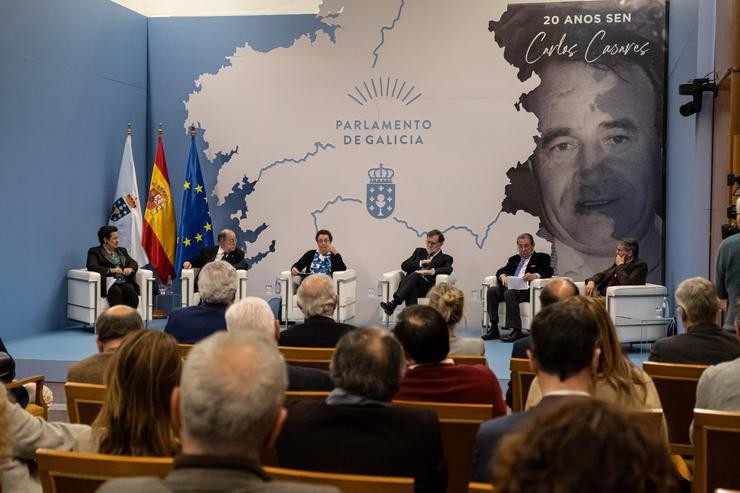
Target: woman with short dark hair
column 323, row 260
column 114, row 263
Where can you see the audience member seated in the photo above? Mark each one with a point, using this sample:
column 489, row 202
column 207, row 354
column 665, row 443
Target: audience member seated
column 254, row 315
column 324, row 260
column 110, row 260
column 617, row 380
column 317, row 299
column 20, row 435
column 431, row 375
column 226, row 251
column 562, row 374
column 627, row 270
column 222, row 427
column 110, row 328
column 7, row 374
column 135, row 418
column 356, row 430
column 217, row 284
column 558, row 289
column 719, row 385
column 584, row 446
column 449, row 301
column 704, row 342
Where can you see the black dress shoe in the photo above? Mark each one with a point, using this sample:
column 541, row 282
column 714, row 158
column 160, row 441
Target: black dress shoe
column 491, row 334
column 388, row 307
column 515, row 335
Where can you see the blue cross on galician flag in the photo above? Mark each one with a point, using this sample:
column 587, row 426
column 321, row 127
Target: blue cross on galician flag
column 196, row 230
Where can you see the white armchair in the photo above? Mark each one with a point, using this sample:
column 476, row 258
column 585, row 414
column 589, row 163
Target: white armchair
column 389, row 284
column 527, row 309
column 188, row 295
column 84, row 302
column 345, row 282
column 637, row 312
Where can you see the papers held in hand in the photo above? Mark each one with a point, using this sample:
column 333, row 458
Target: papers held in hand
column 517, row 282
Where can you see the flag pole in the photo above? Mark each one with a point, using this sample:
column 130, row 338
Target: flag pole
column 130, row 130
column 159, row 131
column 192, row 130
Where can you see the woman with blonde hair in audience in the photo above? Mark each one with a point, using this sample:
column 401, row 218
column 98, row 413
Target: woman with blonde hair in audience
column 617, row 379
column 450, row 303
column 584, row 445
column 20, row 435
column 135, row 418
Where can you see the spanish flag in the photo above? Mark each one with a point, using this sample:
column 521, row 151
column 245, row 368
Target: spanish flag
column 159, row 219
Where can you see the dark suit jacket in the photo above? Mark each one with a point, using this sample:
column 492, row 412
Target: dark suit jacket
column 190, row 325
column 302, row 378
column 703, row 344
column 316, row 331
column 518, row 350
column 99, row 261
column 304, row 263
column 208, row 254
column 539, row 263
column 492, row 431
column 370, row 439
column 633, row 273
column 441, row 263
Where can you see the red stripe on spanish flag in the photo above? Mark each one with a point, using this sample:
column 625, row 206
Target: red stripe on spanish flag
column 159, row 235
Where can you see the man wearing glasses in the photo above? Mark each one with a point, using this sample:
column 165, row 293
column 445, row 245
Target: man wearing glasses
column 421, row 269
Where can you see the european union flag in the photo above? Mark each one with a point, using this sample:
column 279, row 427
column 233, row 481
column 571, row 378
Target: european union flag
column 195, row 231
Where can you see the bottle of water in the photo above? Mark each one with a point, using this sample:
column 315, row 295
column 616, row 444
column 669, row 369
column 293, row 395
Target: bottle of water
column 662, row 310
column 277, row 285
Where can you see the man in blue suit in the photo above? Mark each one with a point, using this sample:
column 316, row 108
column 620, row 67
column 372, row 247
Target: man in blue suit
column 217, row 282
column 564, row 356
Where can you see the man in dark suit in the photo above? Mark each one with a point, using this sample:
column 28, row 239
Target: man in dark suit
column 221, row 443
column 317, row 299
column 226, row 251
column 217, row 290
column 252, row 314
column 558, row 289
column 421, row 270
column 627, row 270
column 527, row 264
column 357, row 430
column 704, row 342
column 564, row 374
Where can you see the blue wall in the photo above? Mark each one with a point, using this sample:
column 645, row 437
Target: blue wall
column 73, row 75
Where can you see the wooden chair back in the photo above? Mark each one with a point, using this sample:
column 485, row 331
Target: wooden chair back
column 312, row 357
column 676, row 386
column 521, row 380
column 76, row 472
column 184, row 350
column 84, row 401
column 461, row 359
column 716, row 440
column 38, row 407
column 347, row 483
column 459, row 424
column 474, row 487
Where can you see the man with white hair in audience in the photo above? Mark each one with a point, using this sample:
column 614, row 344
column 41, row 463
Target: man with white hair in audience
column 223, row 427
column 217, row 283
column 704, row 342
column 317, row 299
column 254, row 315
column 110, row 328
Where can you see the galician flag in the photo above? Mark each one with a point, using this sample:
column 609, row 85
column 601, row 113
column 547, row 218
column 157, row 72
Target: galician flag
column 195, row 230
column 126, row 211
column 159, row 219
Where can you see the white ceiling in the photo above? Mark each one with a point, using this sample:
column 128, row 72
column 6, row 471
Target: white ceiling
column 199, row 8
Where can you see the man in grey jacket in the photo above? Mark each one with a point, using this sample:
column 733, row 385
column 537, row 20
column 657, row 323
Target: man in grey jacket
column 229, row 404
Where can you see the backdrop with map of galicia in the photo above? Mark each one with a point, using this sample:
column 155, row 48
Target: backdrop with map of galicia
column 437, row 105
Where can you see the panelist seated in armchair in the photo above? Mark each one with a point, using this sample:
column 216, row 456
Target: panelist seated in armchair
column 627, row 270
column 226, row 251
column 527, row 264
column 114, row 263
column 421, row 269
column 323, row 260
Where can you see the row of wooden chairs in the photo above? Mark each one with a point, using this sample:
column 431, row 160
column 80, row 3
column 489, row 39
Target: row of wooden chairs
column 38, row 407
column 318, row 357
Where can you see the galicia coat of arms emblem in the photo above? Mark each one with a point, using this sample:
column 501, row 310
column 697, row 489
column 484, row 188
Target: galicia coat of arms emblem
column 381, row 192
